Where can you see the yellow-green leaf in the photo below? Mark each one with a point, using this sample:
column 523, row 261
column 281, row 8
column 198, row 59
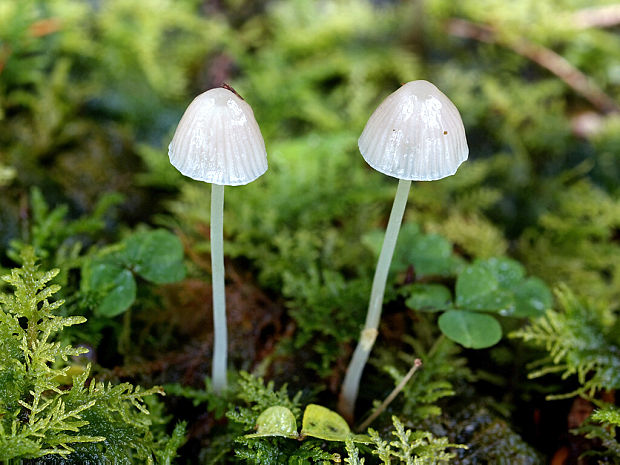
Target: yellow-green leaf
column 323, row 423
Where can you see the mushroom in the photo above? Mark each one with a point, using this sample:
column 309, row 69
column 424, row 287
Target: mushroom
column 416, row 134
column 218, row 141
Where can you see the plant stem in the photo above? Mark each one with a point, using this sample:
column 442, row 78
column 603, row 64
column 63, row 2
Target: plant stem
column 218, row 372
column 388, row 400
column 350, row 386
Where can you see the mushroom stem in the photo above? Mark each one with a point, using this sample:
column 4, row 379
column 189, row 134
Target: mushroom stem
column 350, row 386
column 218, row 372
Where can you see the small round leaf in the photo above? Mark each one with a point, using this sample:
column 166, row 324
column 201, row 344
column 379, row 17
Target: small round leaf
column 156, row 256
column 532, row 298
column 429, row 297
column 430, row 254
column 507, row 272
column 470, row 329
column 115, row 283
column 477, row 288
column 275, row 421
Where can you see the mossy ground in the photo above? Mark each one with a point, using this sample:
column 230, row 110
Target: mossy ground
column 90, row 93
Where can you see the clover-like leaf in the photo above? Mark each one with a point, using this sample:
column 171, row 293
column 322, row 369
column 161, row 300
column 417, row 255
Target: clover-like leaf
column 499, row 285
column 155, row 255
column 429, row 254
column 506, row 271
column 470, row 329
column 477, row 288
column 532, row 298
column 429, row 297
column 114, row 284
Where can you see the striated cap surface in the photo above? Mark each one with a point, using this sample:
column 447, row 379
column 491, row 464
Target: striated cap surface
column 218, row 140
column 416, row 134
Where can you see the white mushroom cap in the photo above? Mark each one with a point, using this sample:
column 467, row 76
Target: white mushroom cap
column 416, row 134
column 218, row 140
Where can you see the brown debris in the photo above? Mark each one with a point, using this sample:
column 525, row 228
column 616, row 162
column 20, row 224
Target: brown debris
column 542, row 56
column 254, row 321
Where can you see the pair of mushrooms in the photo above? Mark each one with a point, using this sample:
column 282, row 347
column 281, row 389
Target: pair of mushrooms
column 416, row 134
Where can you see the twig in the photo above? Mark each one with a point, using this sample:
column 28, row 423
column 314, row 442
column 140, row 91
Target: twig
column 542, row 56
column 388, row 400
column 5, row 52
column 600, row 16
column 44, row 27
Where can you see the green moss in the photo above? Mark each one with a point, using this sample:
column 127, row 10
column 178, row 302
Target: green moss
column 39, row 416
column 581, row 340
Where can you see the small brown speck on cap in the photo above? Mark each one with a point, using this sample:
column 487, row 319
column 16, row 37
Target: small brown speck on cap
column 230, row 88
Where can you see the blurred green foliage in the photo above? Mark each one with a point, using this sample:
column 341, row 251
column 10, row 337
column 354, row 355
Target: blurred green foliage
column 90, row 92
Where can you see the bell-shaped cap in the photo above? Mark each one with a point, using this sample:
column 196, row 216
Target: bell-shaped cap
column 416, row 134
column 218, row 140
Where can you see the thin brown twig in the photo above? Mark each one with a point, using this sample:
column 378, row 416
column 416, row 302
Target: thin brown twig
column 44, row 27
column 5, row 52
column 542, row 56
column 417, row 363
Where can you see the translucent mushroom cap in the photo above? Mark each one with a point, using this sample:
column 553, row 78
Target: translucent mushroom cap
column 218, row 140
column 416, row 134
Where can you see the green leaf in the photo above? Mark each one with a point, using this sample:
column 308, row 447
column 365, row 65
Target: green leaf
column 429, row 254
column 470, row 329
column 507, row 272
column 429, row 297
column 115, row 283
column 477, row 288
column 156, row 256
column 323, row 423
column 432, row 255
column 499, row 284
column 532, row 298
column 275, row 421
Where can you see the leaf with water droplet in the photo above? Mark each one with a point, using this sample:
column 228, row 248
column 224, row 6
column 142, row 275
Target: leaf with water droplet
column 506, row 271
column 477, row 288
column 532, row 298
column 499, row 285
column 275, row 421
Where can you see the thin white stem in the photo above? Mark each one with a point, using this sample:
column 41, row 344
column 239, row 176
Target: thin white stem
column 350, row 386
column 218, row 372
